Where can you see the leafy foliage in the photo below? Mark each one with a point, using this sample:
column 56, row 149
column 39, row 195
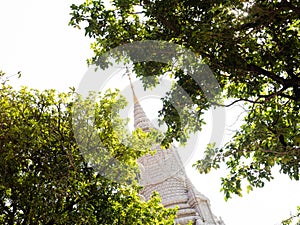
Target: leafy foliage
column 294, row 219
column 44, row 177
column 253, row 49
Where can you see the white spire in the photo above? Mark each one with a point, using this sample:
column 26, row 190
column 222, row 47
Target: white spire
column 140, row 118
column 164, row 172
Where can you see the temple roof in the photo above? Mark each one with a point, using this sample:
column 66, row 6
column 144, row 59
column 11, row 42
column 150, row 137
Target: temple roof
column 164, row 172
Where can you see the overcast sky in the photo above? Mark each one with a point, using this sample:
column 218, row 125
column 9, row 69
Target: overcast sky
column 36, row 40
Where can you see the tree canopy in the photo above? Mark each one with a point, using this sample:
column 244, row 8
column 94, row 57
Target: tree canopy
column 45, row 179
column 252, row 47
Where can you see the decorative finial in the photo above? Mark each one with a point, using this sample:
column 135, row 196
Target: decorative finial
column 131, row 85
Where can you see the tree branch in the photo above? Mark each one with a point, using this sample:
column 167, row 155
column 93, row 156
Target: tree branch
column 288, row 6
column 239, row 100
column 268, row 97
column 259, row 70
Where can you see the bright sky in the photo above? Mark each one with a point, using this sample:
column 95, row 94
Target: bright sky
column 36, row 40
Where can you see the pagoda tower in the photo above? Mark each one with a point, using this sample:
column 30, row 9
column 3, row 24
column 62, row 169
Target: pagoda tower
column 164, row 172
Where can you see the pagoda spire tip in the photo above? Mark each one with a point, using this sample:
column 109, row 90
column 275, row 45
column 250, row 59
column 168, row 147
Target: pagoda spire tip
column 131, row 85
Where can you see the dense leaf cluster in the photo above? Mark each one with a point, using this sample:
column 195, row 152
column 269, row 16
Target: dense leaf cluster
column 253, row 49
column 44, row 177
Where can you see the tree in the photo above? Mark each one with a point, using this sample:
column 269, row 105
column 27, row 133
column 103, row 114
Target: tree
column 45, row 179
column 252, row 47
column 294, row 219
